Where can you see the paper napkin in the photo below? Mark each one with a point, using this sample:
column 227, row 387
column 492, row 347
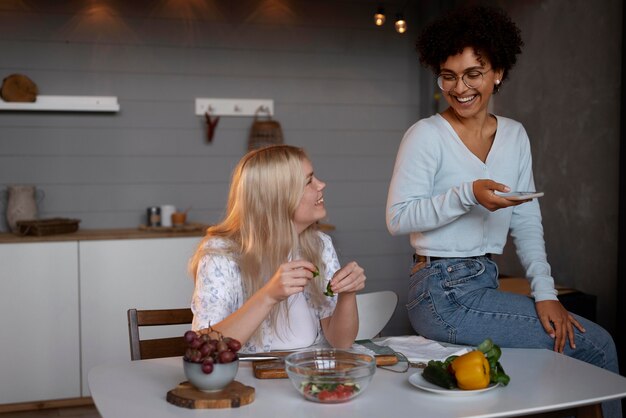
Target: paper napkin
column 419, row 349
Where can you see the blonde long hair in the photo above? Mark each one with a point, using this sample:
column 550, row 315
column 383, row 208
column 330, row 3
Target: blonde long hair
column 266, row 188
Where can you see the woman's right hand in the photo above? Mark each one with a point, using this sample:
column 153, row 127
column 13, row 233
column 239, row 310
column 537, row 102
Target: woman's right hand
column 484, row 192
column 289, row 279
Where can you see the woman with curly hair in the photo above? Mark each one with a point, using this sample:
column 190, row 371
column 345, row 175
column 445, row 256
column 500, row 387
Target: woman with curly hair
column 449, row 171
column 261, row 273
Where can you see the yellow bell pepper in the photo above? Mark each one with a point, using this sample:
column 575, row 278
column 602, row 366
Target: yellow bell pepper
column 471, row 370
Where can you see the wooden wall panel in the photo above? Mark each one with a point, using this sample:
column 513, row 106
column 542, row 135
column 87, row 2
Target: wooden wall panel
column 343, row 89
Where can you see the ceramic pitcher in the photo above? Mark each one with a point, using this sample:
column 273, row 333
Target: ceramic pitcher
column 21, row 205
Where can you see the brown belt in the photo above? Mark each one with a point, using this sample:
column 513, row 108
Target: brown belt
column 421, row 260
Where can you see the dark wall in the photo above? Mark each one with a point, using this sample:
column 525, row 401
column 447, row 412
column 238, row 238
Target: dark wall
column 565, row 91
column 621, row 266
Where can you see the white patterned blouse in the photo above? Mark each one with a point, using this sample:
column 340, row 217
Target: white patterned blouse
column 218, row 292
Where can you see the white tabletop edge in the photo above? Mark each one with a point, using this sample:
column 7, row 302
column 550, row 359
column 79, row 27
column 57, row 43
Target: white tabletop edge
column 141, row 387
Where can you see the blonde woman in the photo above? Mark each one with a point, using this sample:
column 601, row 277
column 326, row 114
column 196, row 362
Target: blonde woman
column 260, row 274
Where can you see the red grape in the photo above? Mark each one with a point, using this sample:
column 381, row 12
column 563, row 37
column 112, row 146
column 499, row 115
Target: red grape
column 196, row 343
column 221, row 346
column 206, row 349
column 190, row 336
column 234, row 345
column 196, row 357
column 226, row 356
column 207, row 367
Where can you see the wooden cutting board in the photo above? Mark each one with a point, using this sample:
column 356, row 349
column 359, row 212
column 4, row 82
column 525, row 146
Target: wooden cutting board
column 232, row 396
column 275, row 369
column 269, row 369
column 386, row 359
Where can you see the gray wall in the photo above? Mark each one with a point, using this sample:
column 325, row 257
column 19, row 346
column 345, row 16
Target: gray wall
column 343, row 89
column 566, row 91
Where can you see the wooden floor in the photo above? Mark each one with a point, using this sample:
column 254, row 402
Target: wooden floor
column 74, row 412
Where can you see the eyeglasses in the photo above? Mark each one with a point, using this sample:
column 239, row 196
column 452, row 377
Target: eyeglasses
column 472, row 79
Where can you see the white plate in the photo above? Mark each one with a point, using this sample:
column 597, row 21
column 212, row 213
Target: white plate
column 417, row 380
column 519, row 195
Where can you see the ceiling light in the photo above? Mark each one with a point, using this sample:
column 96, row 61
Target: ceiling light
column 379, row 16
column 400, row 23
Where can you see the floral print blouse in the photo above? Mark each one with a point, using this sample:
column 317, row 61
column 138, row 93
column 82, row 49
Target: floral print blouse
column 219, row 292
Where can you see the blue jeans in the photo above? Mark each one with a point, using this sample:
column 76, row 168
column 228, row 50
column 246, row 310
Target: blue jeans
column 456, row 300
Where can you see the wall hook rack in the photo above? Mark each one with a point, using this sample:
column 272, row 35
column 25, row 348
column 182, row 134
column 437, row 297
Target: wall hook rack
column 233, row 107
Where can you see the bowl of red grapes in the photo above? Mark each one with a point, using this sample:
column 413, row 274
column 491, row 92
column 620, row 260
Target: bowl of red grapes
column 210, row 361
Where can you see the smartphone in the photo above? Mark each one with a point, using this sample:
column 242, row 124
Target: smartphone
column 519, row 195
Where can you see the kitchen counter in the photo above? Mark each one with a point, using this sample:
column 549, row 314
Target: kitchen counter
column 104, row 234
column 191, row 230
column 81, row 285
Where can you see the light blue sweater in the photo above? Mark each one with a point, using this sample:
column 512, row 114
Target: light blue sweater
column 431, row 198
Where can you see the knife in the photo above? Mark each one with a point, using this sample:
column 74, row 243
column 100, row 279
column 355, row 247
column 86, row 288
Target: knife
column 248, row 357
column 278, row 355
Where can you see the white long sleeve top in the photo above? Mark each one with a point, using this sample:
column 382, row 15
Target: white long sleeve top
column 431, row 198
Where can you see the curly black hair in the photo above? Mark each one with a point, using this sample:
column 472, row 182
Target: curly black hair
column 489, row 30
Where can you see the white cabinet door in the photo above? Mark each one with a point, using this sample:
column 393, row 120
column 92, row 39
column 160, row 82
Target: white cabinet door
column 117, row 275
column 39, row 342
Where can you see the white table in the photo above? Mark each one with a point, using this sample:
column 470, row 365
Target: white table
column 541, row 381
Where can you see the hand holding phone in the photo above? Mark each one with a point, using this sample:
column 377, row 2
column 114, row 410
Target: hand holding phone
column 519, row 195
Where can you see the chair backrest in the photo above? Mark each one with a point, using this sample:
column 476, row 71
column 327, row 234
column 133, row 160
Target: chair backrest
column 158, row 347
column 375, row 310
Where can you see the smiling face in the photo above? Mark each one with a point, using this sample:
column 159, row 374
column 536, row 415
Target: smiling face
column 464, row 101
column 311, row 207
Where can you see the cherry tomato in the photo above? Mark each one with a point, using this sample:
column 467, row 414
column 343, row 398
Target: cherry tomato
column 327, row 395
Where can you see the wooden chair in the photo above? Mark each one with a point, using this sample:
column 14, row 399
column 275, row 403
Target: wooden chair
column 158, row 347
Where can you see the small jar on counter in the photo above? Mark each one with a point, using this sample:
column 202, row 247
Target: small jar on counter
column 154, row 216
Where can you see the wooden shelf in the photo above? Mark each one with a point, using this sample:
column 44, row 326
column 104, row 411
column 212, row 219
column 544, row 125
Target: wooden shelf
column 65, row 104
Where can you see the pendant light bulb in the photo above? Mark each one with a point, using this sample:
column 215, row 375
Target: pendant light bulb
column 379, row 17
column 400, row 24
